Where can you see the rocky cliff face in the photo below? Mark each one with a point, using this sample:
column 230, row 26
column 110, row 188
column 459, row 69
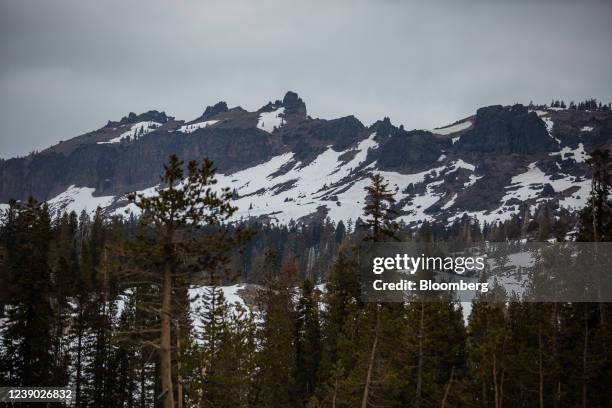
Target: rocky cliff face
column 286, row 165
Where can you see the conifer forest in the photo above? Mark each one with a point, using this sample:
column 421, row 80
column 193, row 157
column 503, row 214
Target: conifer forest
column 132, row 312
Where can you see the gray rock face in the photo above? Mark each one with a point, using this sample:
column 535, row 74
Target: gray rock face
column 501, row 130
column 487, row 164
column 220, row 107
column 293, row 104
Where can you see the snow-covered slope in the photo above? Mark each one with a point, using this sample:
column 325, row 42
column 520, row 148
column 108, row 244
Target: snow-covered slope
column 283, row 165
column 135, row 131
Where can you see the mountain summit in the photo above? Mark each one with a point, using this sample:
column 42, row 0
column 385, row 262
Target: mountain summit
column 284, row 165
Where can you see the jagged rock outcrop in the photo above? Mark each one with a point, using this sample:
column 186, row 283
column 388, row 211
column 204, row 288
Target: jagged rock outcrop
column 283, row 164
column 500, row 131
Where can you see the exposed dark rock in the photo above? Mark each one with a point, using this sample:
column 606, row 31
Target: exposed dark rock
column 211, row 111
column 151, row 115
column 294, row 105
column 501, row 143
column 499, row 130
column 547, row 191
column 406, row 151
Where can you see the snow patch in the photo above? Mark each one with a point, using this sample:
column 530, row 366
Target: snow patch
column 540, row 113
column 136, row 131
column 450, row 203
column 195, row 126
column 78, row 199
column 453, row 128
column 472, row 180
column 269, row 121
column 460, row 164
column 549, row 128
column 229, row 292
column 579, row 155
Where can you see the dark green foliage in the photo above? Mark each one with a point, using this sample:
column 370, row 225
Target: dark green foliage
column 308, row 340
column 277, row 359
column 74, row 313
column 379, row 212
column 28, row 340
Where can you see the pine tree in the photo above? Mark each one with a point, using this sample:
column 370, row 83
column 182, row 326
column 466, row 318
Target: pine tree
column 596, row 218
column 308, row 345
column 28, row 358
column 179, row 206
column 487, row 341
column 380, row 215
column 342, row 298
column 277, row 358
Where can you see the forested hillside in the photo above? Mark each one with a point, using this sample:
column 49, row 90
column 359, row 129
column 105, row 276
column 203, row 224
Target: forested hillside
column 131, row 312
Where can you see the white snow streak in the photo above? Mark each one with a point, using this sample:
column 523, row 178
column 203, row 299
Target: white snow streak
column 452, row 129
column 195, row 126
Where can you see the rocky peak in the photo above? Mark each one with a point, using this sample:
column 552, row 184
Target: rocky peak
column 210, row 111
column 506, row 130
column 384, row 128
column 152, row 115
column 294, row 104
column 503, row 158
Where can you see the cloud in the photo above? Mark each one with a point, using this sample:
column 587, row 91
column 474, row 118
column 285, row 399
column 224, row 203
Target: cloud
column 69, row 66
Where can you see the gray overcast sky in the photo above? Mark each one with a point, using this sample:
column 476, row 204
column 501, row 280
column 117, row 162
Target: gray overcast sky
column 66, row 67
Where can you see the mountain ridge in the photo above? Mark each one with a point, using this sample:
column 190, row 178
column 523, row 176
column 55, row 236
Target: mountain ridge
column 487, row 165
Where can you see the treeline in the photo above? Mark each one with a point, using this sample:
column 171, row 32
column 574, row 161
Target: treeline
column 587, row 105
column 85, row 304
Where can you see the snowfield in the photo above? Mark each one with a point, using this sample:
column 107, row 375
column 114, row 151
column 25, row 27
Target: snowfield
column 78, row 199
column 284, row 189
column 136, row 131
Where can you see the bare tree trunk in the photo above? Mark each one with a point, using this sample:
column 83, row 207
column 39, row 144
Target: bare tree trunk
column 79, row 363
column 419, row 385
column 179, row 384
column 540, row 366
column 584, row 360
column 485, row 402
column 501, row 388
column 165, row 352
column 143, row 388
column 495, row 387
column 597, row 203
column 366, row 388
column 448, row 387
column 557, row 397
column 335, row 393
